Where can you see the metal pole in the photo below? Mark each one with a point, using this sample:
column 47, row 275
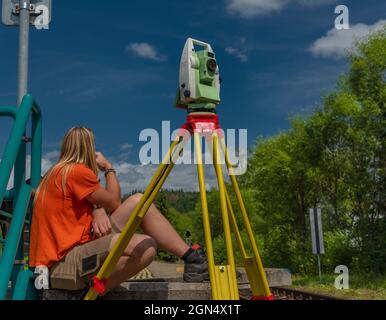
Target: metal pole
column 319, row 268
column 22, row 77
column 22, row 88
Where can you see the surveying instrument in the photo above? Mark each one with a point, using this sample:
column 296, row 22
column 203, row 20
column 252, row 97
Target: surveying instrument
column 199, row 94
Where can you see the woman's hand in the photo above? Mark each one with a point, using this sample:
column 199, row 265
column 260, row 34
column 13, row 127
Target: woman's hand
column 101, row 223
column 102, row 162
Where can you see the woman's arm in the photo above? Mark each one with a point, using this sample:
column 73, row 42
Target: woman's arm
column 109, row 198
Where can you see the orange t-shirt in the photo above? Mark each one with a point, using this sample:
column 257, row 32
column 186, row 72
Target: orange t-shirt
column 62, row 220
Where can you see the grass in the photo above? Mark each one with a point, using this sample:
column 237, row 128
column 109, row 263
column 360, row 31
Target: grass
column 362, row 287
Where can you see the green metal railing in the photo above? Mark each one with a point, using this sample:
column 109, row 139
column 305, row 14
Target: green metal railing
column 20, row 196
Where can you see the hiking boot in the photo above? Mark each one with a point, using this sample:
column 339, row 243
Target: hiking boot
column 196, row 265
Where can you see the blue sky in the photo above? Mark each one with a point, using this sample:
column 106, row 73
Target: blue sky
column 113, row 66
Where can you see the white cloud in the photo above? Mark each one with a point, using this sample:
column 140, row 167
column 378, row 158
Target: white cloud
column 137, row 176
column 253, row 8
column 145, row 51
column 52, row 155
column 239, row 54
column 48, row 161
column 336, row 43
column 126, row 147
column 240, row 49
column 314, row 3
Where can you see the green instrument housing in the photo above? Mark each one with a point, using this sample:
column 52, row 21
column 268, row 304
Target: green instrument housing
column 206, row 84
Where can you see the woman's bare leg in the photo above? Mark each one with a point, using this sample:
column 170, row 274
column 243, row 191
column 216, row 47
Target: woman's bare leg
column 154, row 224
column 139, row 253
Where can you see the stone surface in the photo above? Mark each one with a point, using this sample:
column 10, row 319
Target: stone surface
column 167, row 284
column 278, row 277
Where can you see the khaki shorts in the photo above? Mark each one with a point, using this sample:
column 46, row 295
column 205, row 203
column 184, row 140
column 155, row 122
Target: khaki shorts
column 80, row 264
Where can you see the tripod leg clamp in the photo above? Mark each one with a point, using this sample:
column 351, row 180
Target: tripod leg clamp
column 99, row 285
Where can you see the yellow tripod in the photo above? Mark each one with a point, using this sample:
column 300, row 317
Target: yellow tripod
column 222, row 278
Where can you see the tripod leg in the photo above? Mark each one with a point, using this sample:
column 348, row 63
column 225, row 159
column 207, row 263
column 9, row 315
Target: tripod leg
column 205, row 215
column 170, row 160
column 226, row 275
column 139, row 212
column 235, row 228
column 258, row 279
column 248, row 260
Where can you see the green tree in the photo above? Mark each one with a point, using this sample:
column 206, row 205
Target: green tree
column 335, row 158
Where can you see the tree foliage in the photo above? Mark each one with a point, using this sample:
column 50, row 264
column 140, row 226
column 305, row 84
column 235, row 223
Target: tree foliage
column 334, row 158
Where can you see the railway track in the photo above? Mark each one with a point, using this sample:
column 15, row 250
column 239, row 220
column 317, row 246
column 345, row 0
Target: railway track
column 286, row 293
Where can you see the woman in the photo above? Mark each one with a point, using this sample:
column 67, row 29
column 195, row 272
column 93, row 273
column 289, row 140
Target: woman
column 76, row 222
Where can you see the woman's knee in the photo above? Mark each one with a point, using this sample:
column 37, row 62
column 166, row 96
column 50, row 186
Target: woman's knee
column 135, row 198
column 140, row 245
column 145, row 252
column 151, row 248
column 143, row 247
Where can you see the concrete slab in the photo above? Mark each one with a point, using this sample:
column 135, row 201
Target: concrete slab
column 167, row 284
column 278, row 277
column 173, row 273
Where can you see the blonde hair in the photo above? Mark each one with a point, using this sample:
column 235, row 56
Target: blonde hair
column 78, row 147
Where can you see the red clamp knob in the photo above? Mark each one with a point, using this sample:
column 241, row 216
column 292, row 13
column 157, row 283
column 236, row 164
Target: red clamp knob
column 99, row 285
